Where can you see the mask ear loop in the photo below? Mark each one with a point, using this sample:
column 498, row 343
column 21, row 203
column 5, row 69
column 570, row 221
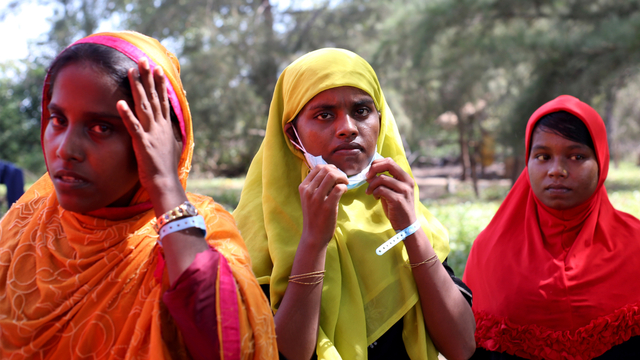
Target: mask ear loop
column 300, row 146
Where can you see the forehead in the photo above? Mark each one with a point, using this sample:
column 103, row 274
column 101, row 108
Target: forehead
column 343, row 95
column 86, row 79
column 544, row 137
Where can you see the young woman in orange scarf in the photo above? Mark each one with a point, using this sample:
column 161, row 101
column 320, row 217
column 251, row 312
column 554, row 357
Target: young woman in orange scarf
column 550, row 274
column 106, row 256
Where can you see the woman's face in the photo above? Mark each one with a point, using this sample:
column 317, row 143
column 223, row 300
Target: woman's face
column 563, row 173
column 341, row 125
column 87, row 147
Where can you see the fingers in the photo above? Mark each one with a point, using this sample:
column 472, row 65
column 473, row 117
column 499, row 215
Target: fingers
column 129, row 119
column 390, row 166
column 399, row 181
column 149, row 93
column 323, row 178
column 161, row 90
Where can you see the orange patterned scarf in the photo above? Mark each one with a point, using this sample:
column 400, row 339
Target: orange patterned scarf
column 76, row 286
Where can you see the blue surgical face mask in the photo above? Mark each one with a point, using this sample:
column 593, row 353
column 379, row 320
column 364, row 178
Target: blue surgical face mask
column 355, row 181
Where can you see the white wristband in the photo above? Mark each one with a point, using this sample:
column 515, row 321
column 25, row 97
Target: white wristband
column 181, row 224
column 398, row 237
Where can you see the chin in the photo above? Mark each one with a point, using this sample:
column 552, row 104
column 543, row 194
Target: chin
column 75, row 206
column 352, row 171
column 558, row 205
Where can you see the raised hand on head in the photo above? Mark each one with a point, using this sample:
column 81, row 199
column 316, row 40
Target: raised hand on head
column 154, row 138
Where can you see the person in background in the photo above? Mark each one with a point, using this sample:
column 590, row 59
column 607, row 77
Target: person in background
column 328, row 189
column 13, row 178
column 550, row 274
column 106, row 256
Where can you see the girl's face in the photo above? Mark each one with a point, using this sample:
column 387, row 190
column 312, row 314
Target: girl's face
column 341, row 125
column 563, row 173
column 87, row 147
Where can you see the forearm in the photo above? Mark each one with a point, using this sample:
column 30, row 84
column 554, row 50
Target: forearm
column 180, row 247
column 298, row 316
column 447, row 315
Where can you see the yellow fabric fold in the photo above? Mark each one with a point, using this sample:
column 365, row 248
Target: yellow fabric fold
column 363, row 294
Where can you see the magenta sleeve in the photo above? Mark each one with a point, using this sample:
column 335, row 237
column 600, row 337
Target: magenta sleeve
column 191, row 301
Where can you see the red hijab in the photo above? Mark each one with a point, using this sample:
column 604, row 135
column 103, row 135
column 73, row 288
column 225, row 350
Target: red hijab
column 556, row 284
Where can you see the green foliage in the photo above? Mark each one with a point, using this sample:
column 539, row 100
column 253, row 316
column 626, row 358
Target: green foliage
column 432, row 56
column 513, row 55
column 20, row 115
column 464, row 221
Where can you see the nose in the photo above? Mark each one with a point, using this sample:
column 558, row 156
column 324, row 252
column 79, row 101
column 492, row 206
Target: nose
column 70, row 146
column 558, row 168
column 346, row 127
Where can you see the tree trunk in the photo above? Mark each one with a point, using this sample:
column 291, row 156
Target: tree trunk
column 464, row 147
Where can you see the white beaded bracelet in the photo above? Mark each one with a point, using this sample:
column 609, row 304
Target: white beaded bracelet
column 181, row 224
column 401, row 235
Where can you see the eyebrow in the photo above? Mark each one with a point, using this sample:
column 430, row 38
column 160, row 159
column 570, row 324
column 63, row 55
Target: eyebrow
column 365, row 101
column 359, row 102
column 322, row 106
column 570, row 147
column 100, row 115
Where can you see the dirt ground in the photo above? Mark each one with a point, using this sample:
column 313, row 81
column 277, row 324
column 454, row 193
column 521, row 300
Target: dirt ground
column 437, row 182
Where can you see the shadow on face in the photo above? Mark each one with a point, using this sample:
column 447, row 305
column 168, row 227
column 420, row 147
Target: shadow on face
column 563, row 173
column 341, row 125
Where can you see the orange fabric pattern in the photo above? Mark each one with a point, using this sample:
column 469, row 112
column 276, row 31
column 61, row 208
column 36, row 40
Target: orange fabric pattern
column 76, row 286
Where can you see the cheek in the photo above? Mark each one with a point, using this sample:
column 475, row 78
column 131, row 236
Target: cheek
column 370, row 131
column 592, row 174
column 126, row 164
column 48, row 144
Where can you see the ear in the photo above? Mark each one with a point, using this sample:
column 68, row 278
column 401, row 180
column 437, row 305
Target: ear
column 288, row 130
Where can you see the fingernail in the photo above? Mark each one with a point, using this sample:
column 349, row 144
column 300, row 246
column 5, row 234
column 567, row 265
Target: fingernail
column 160, row 71
column 145, row 63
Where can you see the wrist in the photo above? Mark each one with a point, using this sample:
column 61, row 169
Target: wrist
column 398, row 237
column 404, row 223
column 166, row 195
column 313, row 243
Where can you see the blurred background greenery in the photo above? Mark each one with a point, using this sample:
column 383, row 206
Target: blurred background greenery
column 461, row 76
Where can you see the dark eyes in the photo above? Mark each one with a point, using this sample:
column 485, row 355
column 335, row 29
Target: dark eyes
column 543, row 157
column 324, row 116
column 57, row 121
column 100, row 128
column 363, row 111
column 360, row 113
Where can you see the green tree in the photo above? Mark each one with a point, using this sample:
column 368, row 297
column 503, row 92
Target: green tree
column 20, row 115
column 513, row 55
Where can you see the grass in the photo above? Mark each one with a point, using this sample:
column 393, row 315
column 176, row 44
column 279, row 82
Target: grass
column 225, row 191
column 461, row 213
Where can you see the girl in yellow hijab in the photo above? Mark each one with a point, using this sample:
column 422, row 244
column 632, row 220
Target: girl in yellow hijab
column 106, row 256
column 328, row 188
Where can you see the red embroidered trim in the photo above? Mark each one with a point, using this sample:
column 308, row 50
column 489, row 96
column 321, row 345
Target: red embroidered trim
column 537, row 342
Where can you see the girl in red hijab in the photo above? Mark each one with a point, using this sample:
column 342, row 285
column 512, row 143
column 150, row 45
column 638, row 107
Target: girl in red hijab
column 551, row 274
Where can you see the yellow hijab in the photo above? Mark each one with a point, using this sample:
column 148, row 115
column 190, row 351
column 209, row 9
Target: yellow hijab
column 81, row 285
column 363, row 294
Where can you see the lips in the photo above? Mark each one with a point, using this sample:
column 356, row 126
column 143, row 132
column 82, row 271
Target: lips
column 557, row 189
column 349, row 147
column 69, row 179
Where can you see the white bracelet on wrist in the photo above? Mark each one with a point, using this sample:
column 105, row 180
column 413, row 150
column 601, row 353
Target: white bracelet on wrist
column 401, row 235
column 181, row 224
